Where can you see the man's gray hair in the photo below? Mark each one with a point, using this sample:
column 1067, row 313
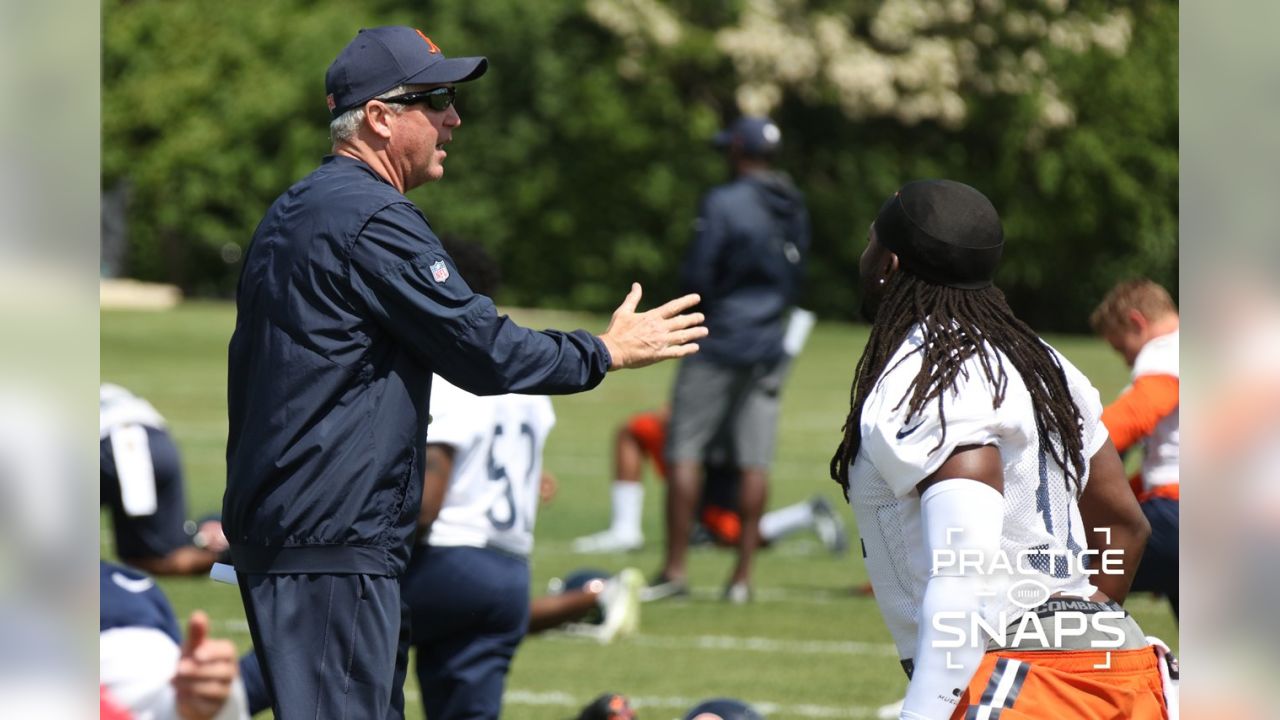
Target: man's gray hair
column 344, row 127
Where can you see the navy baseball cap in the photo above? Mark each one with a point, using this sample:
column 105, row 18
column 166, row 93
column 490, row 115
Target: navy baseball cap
column 381, row 58
column 944, row 232
column 752, row 135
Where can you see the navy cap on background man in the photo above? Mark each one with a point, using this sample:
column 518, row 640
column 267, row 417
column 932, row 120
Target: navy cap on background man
column 750, row 135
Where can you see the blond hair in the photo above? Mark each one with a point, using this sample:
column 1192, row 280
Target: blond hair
column 1143, row 295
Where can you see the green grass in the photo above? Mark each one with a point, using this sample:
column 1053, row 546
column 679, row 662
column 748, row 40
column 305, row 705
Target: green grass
column 807, row 646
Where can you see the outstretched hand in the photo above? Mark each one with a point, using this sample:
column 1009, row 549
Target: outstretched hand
column 639, row 339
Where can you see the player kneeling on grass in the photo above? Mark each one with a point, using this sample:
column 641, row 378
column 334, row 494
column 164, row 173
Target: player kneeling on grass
column 467, row 586
column 141, row 482
column 1139, row 320
column 147, row 669
column 982, row 478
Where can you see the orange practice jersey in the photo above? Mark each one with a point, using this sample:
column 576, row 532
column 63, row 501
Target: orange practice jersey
column 1147, row 412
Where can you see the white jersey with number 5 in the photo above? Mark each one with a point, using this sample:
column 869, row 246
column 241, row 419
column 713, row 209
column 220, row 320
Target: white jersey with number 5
column 492, row 500
column 1043, row 534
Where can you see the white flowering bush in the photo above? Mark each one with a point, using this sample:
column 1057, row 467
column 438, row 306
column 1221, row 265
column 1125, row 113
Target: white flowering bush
column 910, row 60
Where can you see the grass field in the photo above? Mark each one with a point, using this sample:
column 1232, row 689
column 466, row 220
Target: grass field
column 806, row 648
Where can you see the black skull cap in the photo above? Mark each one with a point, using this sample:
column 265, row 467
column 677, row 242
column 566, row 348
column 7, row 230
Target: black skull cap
column 944, row 232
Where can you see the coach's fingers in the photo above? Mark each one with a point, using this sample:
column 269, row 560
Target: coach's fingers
column 681, row 337
column 632, row 300
column 679, row 351
column 680, row 322
column 674, row 307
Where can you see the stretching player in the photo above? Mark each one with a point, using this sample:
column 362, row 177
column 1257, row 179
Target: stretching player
column 148, row 669
column 970, row 437
column 642, row 437
column 467, row 586
column 1139, row 320
column 141, row 482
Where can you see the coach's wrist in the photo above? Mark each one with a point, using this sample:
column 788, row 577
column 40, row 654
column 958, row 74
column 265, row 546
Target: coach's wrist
column 612, row 351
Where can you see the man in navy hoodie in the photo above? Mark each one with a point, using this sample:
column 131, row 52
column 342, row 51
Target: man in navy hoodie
column 346, row 306
column 747, row 263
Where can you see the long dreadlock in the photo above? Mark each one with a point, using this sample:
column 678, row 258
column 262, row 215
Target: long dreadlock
column 958, row 325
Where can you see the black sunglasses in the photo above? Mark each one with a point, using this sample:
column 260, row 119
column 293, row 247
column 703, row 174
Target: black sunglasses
column 438, row 99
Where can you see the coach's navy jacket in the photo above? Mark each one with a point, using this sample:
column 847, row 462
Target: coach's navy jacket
column 346, row 306
column 747, row 263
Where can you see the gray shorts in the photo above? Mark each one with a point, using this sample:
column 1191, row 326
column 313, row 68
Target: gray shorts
column 726, row 409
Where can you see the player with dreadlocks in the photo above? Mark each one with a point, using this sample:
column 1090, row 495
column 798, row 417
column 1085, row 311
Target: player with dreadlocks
column 998, row 529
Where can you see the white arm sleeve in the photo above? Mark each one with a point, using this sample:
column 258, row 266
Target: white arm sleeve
column 962, row 519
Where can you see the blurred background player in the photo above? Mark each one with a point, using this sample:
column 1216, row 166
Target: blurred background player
column 467, row 586
column 642, row 437
column 141, row 482
column 746, row 262
column 1139, row 320
column 147, row 670
column 590, row 603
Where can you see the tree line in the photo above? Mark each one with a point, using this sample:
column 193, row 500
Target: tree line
column 582, row 153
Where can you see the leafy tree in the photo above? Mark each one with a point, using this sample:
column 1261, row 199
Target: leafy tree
column 584, row 149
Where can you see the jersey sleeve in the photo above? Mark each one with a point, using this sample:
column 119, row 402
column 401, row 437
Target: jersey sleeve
column 906, row 448
column 1135, row 414
column 546, row 414
column 414, row 291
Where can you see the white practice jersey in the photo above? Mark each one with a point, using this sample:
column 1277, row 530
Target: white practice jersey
column 1041, row 523
column 118, row 407
column 1160, row 448
column 492, row 500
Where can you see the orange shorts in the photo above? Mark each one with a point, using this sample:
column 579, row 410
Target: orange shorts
column 1065, row 685
column 649, row 429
